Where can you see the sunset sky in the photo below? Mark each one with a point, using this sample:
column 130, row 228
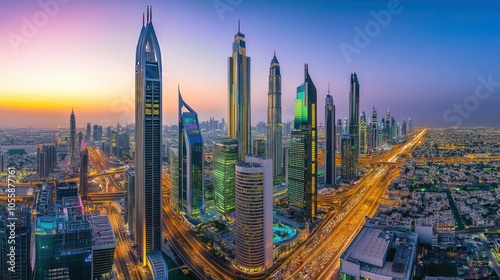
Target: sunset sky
column 80, row 53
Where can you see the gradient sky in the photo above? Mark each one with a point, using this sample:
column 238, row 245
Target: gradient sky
column 426, row 59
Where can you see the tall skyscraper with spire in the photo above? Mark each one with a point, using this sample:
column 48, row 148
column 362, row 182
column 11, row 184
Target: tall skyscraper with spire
column 303, row 163
column 354, row 121
column 72, row 139
column 330, row 139
column 274, row 124
column 239, row 126
column 191, row 187
column 148, row 140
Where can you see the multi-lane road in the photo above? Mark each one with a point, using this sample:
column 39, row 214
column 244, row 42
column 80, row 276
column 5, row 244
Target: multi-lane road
column 317, row 257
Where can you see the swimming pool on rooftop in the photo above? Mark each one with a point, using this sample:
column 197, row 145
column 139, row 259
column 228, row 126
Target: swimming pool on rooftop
column 282, row 233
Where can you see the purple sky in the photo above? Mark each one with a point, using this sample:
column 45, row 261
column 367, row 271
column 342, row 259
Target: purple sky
column 428, row 57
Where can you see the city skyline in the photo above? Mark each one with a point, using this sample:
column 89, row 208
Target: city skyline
column 458, row 52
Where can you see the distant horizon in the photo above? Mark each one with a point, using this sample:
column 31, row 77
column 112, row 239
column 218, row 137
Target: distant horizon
column 441, row 71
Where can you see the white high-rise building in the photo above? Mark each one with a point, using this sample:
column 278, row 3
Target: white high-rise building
column 254, row 214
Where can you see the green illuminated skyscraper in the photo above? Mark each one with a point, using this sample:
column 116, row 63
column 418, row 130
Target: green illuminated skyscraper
column 225, row 157
column 302, row 176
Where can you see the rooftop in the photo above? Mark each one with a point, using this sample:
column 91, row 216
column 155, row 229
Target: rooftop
column 103, row 236
column 381, row 251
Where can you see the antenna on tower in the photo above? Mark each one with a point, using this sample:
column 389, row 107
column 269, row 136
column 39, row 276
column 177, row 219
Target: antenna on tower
column 143, row 19
column 238, row 26
column 328, row 88
column 151, row 13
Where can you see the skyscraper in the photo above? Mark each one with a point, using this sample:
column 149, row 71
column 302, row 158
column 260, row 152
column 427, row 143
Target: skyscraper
column 88, row 133
column 3, row 161
column 347, row 165
column 130, row 199
column 174, row 178
column 239, row 95
column 338, row 137
column 259, row 147
column 330, row 139
column 302, row 182
column 63, row 243
column 254, row 214
column 72, row 139
column 388, row 125
column 84, row 172
column 225, row 156
column 148, row 140
column 373, row 135
column 274, row 124
column 354, row 120
column 345, row 127
column 15, row 264
column 46, row 160
column 363, row 137
column 403, row 129
column 191, row 162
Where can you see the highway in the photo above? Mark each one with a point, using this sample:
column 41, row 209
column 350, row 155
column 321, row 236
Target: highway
column 323, row 249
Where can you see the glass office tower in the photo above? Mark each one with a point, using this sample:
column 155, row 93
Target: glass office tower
column 191, row 189
column 302, row 173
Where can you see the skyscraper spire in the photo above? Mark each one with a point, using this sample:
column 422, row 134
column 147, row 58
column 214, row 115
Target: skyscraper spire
column 274, row 124
column 143, row 21
column 328, row 88
column 238, row 26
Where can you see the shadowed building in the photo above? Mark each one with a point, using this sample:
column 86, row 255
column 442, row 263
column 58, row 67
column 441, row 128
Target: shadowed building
column 330, row 139
column 354, row 121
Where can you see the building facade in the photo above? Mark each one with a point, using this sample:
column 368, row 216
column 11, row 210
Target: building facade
column 239, row 126
column 347, row 165
column 302, row 170
column 191, row 162
column 274, row 124
column 226, row 154
column 254, row 214
column 330, row 140
column 148, row 141
column 354, row 120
